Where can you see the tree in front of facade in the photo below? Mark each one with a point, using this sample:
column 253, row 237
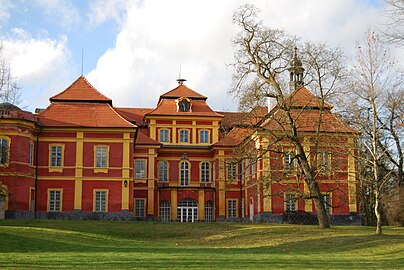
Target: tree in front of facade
column 375, row 107
column 10, row 92
column 262, row 60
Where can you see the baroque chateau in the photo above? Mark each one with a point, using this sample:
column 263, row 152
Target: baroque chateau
column 83, row 158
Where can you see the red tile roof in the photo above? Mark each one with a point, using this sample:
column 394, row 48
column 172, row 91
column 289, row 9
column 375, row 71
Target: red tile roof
column 81, row 90
column 307, row 120
column 182, row 91
column 134, row 115
column 82, row 114
column 252, row 117
column 143, row 139
column 235, row 137
column 198, row 108
column 303, row 98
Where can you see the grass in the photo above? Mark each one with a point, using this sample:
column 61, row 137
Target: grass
column 44, row 244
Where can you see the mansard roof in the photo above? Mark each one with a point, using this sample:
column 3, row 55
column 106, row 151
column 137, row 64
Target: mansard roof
column 182, row 91
column 82, row 114
column 167, row 105
column 81, row 91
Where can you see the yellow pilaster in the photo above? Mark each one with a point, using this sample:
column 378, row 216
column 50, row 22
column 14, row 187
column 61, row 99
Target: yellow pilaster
column 215, row 132
column 267, row 191
column 152, row 129
column 125, row 171
column 78, row 190
column 174, row 204
column 308, row 202
column 351, row 176
column 174, row 132
column 193, row 132
column 151, row 181
column 78, row 183
column 201, row 205
column 222, row 185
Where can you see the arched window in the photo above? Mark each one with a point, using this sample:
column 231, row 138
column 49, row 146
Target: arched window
column 4, row 150
column 163, row 171
column 184, row 173
column 205, row 171
column 209, row 211
column 165, row 211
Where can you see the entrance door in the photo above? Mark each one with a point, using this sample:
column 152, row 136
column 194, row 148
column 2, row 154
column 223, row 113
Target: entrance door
column 187, row 211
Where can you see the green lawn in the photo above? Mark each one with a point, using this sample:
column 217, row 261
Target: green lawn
column 27, row 244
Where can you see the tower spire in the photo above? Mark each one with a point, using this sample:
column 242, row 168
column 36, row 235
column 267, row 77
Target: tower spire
column 296, row 72
column 179, row 80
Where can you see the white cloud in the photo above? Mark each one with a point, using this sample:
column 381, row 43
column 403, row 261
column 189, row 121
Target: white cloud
column 38, row 65
column 104, row 10
column 61, row 12
column 5, row 6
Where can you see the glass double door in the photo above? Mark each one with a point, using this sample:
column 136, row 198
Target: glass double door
column 187, row 211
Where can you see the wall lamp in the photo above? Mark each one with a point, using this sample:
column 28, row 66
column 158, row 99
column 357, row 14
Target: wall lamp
column 125, row 183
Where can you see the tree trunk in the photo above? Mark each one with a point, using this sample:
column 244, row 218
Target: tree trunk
column 378, row 213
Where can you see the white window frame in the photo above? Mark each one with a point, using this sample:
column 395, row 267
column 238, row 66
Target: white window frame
column 185, row 169
column 101, row 156
column 204, row 136
column 55, row 197
column 100, row 200
column 324, row 161
column 140, row 171
column 184, row 135
column 232, row 208
column 56, row 155
column 140, row 207
column 209, row 211
column 165, row 211
column 231, row 171
column 164, row 135
column 162, row 168
column 290, row 202
column 205, row 172
column 288, row 161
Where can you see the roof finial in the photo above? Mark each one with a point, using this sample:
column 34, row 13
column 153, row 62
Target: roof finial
column 179, row 80
column 296, row 72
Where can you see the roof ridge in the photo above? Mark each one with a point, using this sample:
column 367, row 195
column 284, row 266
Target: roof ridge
column 120, row 116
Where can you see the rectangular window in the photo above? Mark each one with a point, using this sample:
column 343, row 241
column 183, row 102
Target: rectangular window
column 31, row 154
column 327, row 202
column 140, row 167
column 163, row 171
column 140, row 207
column 231, row 208
column 231, row 171
column 324, row 161
column 101, row 156
column 288, row 161
column 56, row 156
column 204, row 136
column 164, row 135
column 100, row 201
column 184, row 135
column 3, row 151
column 55, row 200
column 290, row 203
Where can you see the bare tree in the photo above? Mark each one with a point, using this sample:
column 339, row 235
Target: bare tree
column 262, row 62
column 376, row 108
column 394, row 13
column 9, row 90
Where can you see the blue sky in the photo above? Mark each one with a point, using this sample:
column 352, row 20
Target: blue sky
column 133, row 49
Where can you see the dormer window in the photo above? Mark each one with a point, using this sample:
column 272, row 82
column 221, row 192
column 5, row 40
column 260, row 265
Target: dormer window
column 183, row 105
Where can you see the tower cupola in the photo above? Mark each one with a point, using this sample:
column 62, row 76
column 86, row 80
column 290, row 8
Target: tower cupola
column 296, row 72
